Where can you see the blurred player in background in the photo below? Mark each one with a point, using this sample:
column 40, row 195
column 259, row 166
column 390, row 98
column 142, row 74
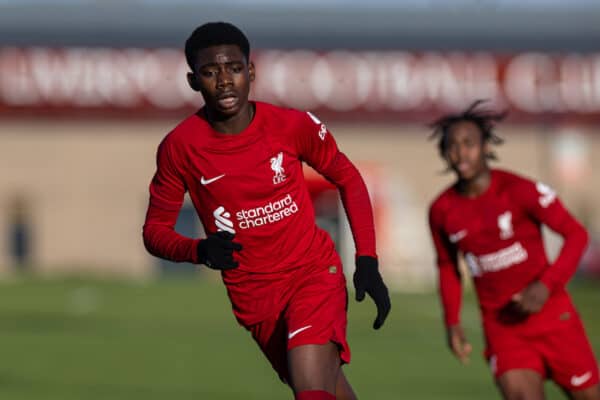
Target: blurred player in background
column 241, row 162
column 494, row 218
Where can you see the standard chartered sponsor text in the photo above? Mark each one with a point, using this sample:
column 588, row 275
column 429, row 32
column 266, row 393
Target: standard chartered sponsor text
column 271, row 212
column 498, row 260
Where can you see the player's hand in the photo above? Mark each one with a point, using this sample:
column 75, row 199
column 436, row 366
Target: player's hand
column 367, row 279
column 532, row 298
column 216, row 251
column 458, row 343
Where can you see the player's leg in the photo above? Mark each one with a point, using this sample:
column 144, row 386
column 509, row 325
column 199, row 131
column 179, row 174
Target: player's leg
column 343, row 389
column 591, row 393
column 270, row 335
column 517, row 364
column 571, row 360
column 314, row 368
column 521, row 384
column 316, row 339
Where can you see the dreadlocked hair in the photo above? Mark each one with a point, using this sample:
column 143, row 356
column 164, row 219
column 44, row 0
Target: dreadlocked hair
column 484, row 119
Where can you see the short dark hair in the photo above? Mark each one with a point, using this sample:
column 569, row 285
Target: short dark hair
column 484, row 119
column 215, row 34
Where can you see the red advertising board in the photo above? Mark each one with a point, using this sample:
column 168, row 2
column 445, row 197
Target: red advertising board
column 367, row 85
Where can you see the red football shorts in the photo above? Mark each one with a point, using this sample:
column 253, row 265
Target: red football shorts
column 563, row 354
column 314, row 313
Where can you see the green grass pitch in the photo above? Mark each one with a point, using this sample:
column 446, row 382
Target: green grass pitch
column 177, row 339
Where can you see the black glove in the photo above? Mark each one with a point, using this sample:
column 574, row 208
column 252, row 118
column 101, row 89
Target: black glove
column 367, row 279
column 216, row 251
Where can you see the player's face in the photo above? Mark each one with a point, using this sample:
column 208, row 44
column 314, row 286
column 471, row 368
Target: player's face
column 465, row 152
column 223, row 76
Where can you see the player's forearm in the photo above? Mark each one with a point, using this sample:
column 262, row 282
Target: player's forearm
column 575, row 241
column 161, row 239
column 450, row 291
column 355, row 198
column 164, row 242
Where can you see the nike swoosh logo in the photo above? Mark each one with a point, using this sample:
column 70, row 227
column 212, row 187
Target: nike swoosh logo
column 211, row 180
column 297, row 331
column 581, row 379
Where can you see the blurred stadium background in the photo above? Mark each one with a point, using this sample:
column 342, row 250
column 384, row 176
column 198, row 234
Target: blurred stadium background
column 88, row 89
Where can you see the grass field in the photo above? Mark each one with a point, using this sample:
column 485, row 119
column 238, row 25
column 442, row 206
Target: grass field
column 177, row 339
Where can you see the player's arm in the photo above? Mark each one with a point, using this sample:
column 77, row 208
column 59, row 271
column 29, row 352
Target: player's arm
column 449, row 286
column 543, row 205
column 167, row 190
column 317, row 147
column 166, row 198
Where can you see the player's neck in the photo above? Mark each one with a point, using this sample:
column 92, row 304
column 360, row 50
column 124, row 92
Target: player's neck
column 234, row 124
column 476, row 185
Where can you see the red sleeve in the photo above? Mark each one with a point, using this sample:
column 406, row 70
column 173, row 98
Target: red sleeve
column 543, row 205
column 450, row 285
column 317, row 147
column 166, row 197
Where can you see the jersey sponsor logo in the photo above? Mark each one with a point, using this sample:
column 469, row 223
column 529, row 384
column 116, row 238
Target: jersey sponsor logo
column 222, row 220
column 496, row 261
column 277, row 167
column 297, row 331
column 505, row 225
column 458, row 236
column 322, row 128
column 205, row 181
column 578, row 380
column 547, row 194
column 268, row 214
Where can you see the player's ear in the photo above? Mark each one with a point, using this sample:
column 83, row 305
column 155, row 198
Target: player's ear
column 193, row 82
column 251, row 71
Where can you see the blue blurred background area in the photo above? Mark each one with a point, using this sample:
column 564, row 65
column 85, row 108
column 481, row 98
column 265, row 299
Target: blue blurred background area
column 89, row 88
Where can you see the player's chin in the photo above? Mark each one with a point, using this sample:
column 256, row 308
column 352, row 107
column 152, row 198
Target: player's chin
column 464, row 174
column 225, row 112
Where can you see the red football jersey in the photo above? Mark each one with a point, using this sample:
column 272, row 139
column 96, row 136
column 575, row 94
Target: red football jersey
column 252, row 184
column 499, row 235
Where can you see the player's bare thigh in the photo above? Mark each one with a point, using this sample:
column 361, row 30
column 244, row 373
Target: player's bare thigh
column 521, row 384
column 314, row 367
column 317, row 367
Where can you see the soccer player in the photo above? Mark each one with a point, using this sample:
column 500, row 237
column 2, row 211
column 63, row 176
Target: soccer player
column 241, row 162
column 493, row 218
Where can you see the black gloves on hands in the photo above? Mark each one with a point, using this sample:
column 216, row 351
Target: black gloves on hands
column 367, row 279
column 216, row 251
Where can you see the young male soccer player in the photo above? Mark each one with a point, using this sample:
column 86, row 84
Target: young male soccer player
column 241, row 162
column 493, row 218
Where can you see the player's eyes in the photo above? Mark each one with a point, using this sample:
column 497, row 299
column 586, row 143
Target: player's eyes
column 208, row 73
column 237, row 69
column 452, row 146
